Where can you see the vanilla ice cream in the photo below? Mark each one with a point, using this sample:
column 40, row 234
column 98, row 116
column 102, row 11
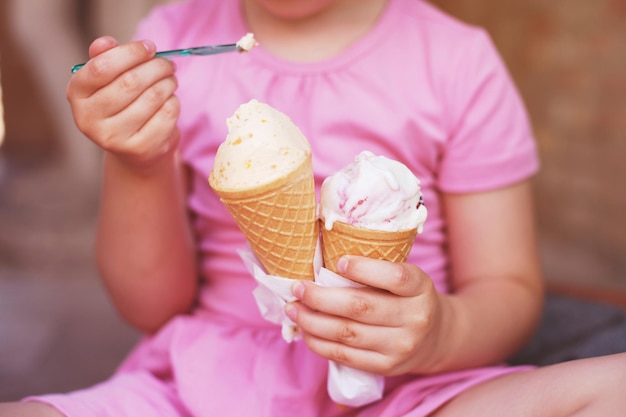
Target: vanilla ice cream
column 247, row 42
column 373, row 192
column 262, row 145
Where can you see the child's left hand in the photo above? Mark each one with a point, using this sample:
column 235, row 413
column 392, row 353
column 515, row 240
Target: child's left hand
column 391, row 327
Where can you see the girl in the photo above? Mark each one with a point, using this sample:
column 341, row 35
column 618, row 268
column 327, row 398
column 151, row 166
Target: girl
column 396, row 77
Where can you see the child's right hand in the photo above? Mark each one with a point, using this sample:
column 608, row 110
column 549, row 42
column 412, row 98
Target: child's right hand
column 123, row 100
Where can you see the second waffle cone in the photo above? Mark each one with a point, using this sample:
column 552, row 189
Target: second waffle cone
column 345, row 239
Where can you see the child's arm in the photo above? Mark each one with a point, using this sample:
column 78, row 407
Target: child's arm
column 403, row 325
column 496, row 274
column 144, row 246
column 124, row 101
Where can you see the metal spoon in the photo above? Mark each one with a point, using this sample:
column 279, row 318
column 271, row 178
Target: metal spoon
column 199, row 50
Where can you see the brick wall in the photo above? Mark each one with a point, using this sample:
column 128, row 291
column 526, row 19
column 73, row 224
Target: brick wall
column 568, row 58
column 28, row 125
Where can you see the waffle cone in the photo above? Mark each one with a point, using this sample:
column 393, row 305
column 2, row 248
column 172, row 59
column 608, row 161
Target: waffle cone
column 345, row 239
column 279, row 221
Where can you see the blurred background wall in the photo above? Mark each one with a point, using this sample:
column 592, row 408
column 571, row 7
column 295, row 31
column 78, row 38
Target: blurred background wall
column 566, row 56
column 58, row 330
column 568, row 59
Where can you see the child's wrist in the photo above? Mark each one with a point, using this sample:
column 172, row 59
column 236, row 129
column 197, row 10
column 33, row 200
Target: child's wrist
column 142, row 167
column 444, row 332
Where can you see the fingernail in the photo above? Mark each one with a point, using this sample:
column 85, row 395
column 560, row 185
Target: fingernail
column 110, row 40
column 342, row 264
column 291, row 312
column 298, row 289
column 149, row 45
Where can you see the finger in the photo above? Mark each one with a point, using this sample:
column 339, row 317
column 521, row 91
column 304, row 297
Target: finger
column 101, row 45
column 131, row 85
column 102, row 69
column 159, row 134
column 162, row 125
column 363, row 359
column 154, row 135
column 398, row 278
column 341, row 330
column 128, row 122
column 363, row 305
column 150, row 84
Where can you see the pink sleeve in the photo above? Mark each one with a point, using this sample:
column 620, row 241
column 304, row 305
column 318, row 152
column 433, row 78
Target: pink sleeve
column 490, row 143
column 155, row 27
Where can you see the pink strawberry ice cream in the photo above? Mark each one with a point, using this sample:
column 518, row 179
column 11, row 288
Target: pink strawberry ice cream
column 373, row 192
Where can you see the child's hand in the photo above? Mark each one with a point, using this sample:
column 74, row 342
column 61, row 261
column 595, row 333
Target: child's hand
column 390, row 328
column 123, row 100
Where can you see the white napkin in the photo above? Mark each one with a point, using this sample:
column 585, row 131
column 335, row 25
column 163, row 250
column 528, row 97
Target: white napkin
column 347, row 386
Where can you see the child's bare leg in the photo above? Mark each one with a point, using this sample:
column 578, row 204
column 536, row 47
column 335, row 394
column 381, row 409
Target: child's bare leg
column 587, row 387
column 31, row 409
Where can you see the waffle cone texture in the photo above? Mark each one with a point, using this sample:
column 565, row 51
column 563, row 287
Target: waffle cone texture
column 345, row 239
column 279, row 221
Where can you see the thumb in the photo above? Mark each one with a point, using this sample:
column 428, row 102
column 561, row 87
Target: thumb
column 101, row 45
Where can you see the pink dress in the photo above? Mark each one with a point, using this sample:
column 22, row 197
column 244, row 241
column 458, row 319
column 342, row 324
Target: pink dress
column 421, row 88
